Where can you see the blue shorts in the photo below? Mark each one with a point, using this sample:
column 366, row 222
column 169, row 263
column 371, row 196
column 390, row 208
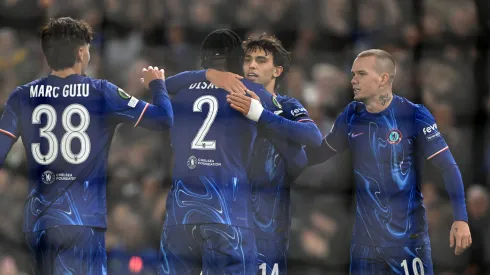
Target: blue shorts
column 68, row 250
column 367, row 260
column 272, row 250
column 210, row 248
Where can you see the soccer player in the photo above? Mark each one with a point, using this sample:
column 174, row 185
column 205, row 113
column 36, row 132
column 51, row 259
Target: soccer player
column 66, row 121
column 203, row 211
column 207, row 221
column 267, row 62
column 386, row 133
column 277, row 160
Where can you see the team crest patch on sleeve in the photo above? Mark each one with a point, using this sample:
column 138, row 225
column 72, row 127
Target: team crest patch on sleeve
column 394, row 136
column 123, row 94
column 274, row 100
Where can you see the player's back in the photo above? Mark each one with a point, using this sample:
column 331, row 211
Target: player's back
column 212, row 146
column 66, row 131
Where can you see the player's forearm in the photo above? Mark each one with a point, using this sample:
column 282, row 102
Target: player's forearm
column 293, row 154
column 306, row 133
column 183, row 79
column 6, row 143
column 317, row 155
column 453, row 183
column 159, row 115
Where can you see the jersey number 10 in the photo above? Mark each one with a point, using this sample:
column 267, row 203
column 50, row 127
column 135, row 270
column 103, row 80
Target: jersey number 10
column 72, row 132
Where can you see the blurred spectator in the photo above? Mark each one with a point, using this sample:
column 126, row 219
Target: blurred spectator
column 477, row 203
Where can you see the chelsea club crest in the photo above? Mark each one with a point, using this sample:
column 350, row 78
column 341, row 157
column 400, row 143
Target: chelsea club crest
column 394, row 136
column 48, row 177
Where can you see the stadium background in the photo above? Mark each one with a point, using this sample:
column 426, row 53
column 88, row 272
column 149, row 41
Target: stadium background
column 441, row 49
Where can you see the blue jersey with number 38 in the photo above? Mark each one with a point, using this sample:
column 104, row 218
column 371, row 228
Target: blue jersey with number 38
column 66, row 126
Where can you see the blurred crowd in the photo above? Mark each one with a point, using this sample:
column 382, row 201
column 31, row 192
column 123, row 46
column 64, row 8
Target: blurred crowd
column 441, row 49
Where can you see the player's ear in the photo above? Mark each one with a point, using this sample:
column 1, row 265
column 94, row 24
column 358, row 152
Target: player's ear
column 80, row 54
column 385, row 79
column 278, row 71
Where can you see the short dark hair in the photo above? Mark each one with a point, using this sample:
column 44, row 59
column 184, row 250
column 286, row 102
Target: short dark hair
column 271, row 45
column 219, row 45
column 60, row 40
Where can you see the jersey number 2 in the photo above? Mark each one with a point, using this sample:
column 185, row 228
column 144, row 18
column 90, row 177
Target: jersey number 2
column 72, row 132
column 198, row 142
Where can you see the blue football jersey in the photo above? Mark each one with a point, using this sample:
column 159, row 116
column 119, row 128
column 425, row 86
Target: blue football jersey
column 212, row 146
column 66, row 126
column 273, row 168
column 384, row 147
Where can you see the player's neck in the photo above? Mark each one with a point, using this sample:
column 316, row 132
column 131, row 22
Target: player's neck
column 379, row 103
column 270, row 87
column 65, row 72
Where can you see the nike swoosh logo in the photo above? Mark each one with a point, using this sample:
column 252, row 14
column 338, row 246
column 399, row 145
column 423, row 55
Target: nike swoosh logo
column 356, row 134
column 278, row 112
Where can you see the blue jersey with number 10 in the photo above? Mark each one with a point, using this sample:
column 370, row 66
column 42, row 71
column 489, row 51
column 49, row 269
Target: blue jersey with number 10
column 66, row 125
column 385, row 145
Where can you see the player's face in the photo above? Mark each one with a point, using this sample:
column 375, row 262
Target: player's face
column 365, row 79
column 258, row 66
column 84, row 57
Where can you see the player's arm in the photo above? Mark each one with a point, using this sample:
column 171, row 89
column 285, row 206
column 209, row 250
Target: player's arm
column 436, row 151
column 128, row 109
column 225, row 80
column 302, row 131
column 292, row 152
column 9, row 126
column 335, row 142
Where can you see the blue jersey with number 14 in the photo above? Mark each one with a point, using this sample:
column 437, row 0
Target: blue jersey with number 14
column 66, row 125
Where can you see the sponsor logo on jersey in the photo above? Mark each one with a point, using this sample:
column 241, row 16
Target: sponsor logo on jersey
column 299, row 112
column 48, row 177
column 431, row 132
column 192, row 162
column 354, row 135
column 394, row 136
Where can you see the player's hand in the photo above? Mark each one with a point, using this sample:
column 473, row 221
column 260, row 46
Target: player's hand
column 460, row 236
column 226, row 80
column 150, row 74
column 248, row 106
column 241, row 102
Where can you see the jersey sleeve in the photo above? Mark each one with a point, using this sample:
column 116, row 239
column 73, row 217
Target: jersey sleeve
column 337, row 139
column 10, row 120
column 124, row 108
column 429, row 139
column 9, row 126
column 183, row 79
column 293, row 109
